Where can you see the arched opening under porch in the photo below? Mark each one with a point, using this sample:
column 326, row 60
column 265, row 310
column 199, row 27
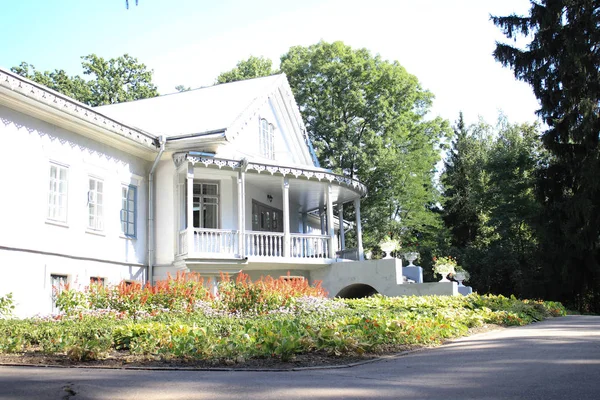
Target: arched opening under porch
column 357, row 291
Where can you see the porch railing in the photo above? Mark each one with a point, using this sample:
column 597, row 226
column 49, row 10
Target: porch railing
column 309, row 246
column 215, row 241
column 257, row 244
column 264, row 244
column 182, row 244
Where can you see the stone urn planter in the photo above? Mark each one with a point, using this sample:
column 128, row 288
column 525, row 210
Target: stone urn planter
column 461, row 276
column 410, row 257
column 388, row 246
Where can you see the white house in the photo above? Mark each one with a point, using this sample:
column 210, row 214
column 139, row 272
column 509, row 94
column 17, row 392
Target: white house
column 218, row 179
column 238, row 185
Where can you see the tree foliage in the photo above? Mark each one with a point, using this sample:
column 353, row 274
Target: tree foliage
column 110, row 81
column 253, row 67
column 490, row 206
column 464, row 181
column 366, row 119
column 562, row 64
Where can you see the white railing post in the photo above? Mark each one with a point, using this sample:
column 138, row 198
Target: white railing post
column 359, row 243
column 190, row 209
column 330, row 229
column 286, row 217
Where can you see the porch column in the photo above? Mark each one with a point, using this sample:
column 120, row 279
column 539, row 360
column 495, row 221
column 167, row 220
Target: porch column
column 190, row 208
column 359, row 244
column 286, row 217
column 241, row 211
column 330, row 230
column 341, row 222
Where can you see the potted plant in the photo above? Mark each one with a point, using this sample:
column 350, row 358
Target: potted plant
column 444, row 266
column 388, row 245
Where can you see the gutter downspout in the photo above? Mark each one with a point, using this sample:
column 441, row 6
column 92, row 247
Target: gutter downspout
column 162, row 141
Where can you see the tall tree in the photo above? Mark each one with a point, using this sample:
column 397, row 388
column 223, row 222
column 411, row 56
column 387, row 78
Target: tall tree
column 464, row 181
column 508, row 234
column 562, row 64
column 366, row 118
column 490, row 207
column 253, row 67
column 112, row 81
column 117, row 80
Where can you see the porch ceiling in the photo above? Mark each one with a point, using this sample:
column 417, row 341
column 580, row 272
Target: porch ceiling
column 308, row 185
column 308, row 194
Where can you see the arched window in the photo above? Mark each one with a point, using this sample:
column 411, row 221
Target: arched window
column 266, row 139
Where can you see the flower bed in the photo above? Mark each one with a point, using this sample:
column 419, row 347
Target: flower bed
column 270, row 318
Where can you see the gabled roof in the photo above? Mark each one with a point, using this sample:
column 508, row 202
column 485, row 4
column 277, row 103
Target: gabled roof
column 195, row 112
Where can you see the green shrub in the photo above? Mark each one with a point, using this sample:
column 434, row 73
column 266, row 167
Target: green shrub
column 267, row 318
column 7, row 305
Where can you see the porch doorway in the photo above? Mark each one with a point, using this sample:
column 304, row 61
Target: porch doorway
column 266, row 218
column 266, row 238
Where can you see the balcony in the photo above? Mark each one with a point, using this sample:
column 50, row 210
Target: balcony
column 233, row 212
column 226, row 243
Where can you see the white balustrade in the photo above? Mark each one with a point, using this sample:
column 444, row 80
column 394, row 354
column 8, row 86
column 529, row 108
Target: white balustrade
column 263, row 244
column 218, row 241
column 309, row 246
column 257, row 244
column 182, row 244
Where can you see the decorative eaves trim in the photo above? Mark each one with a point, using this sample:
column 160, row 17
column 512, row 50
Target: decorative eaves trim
column 307, row 173
column 65, row 104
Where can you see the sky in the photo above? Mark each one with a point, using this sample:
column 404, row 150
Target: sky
column 446, row 44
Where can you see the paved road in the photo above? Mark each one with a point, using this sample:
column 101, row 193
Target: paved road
column 554, row 359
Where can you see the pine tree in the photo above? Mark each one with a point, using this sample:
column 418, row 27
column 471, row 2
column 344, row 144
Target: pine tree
column 462, row 181
column 562, row 64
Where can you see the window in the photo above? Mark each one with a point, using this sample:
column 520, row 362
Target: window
column 57, row 193
column 59, row 283
column 95, row 202
column 96, row 280
column 128, row 210
column 266, row 139
column 206, row 205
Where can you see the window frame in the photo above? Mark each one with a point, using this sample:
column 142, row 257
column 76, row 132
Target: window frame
column 98, row 205
column 201, row 203
column 98, row 280
column 54, row 194
column 125, row 211
column 266, row 139
column 63, row 279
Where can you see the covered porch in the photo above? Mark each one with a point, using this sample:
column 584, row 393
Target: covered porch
column 236, row 210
